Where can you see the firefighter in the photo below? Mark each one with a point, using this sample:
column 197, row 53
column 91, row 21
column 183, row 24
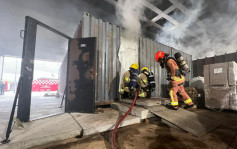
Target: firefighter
column 146, row 83
column 129, row 82
column 176, row 78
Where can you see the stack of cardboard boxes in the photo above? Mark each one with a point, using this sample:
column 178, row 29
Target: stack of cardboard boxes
column 220, row 81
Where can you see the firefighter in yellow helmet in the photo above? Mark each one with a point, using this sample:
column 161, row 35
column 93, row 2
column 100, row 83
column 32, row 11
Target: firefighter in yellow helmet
column 129, row 82
column 146, row 83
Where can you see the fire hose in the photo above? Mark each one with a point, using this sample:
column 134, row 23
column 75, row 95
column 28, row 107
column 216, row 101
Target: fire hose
column 118, row 123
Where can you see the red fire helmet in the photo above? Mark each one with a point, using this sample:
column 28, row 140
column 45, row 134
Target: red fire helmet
column 159, row 56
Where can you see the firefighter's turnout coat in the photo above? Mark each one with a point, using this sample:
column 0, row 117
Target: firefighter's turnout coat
column 176, row 83
column 143, row 83
column 125, row 83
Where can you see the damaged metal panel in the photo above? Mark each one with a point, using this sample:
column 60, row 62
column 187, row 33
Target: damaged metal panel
column 107, row 69
column 147, row 51
column 80, row 94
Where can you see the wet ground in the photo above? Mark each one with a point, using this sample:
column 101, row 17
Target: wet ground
column 154, row 134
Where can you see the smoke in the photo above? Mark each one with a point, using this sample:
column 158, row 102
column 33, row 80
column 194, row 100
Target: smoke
column 63, row 15
column 209, row 30
column 129, row 13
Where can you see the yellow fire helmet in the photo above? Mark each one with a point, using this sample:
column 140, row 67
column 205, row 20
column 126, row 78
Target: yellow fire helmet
column 134, row 66
column 145, row 68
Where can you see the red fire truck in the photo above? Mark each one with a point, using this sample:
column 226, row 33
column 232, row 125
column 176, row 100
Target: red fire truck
column 44, row 84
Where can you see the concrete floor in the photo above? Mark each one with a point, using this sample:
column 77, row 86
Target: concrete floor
column 154, row 134
column 40, row 107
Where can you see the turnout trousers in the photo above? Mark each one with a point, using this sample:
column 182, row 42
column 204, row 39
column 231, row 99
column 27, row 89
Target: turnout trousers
column 173, row 95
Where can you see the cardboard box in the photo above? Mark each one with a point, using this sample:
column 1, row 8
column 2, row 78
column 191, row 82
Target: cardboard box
column 233, row 98
column 217, row 97
column 232, row 73
column 221, row 97
column 220, row 74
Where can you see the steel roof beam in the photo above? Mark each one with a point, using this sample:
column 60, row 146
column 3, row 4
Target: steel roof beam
column 168, row 10
column 161, row 13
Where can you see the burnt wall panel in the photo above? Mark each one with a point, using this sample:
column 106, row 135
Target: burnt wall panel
column 94, row 33
column 80, row 94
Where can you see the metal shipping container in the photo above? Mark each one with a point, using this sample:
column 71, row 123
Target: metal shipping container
column 147, row 50
column 108, row 43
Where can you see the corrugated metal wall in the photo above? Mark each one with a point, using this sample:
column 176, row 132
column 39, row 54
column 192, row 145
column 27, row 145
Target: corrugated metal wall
column 108, row 42
column 147, row 51
column 198, row 64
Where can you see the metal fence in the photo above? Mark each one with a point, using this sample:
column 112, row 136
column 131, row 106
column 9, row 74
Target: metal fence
column 198, row 64
column 147, row 51
column 108, row 65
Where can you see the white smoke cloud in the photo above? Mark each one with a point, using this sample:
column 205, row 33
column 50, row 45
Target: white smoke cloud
column 63, row 15
column 214, row 34
column 129, row 13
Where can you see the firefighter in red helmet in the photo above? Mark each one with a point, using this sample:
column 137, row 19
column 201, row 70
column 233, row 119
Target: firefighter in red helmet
column 175, row 75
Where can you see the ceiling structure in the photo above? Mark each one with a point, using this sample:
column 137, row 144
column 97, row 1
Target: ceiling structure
column 159, row 12
column 66, row 15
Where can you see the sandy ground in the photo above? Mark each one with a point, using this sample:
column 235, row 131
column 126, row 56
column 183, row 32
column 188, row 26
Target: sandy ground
column 155, row 135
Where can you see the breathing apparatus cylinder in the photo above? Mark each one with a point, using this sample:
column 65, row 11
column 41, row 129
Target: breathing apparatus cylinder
column 181, row 62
